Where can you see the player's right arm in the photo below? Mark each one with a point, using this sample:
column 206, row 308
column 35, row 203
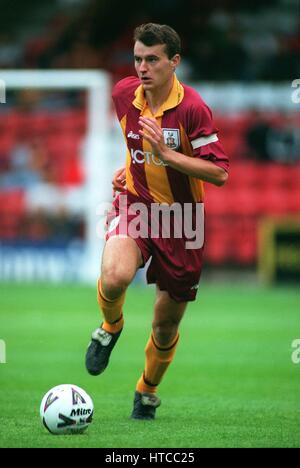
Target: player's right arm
column 119, row 181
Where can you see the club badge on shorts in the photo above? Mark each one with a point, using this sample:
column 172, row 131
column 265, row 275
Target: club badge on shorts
column 171, row 137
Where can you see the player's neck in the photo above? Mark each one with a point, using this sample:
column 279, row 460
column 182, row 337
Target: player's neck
column 156, row 97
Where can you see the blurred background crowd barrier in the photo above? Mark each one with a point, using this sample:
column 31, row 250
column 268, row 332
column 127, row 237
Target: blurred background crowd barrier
column 60, row 142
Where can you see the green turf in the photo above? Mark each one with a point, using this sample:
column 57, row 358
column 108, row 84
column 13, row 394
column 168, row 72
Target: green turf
column 232, row 384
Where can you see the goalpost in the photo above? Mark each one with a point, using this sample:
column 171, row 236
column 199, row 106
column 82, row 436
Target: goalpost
column 96, row 145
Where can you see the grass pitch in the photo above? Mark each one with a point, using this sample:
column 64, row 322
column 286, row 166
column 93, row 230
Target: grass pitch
column 232, row 384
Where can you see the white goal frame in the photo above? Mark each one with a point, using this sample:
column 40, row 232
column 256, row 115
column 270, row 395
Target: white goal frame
column 96, row 144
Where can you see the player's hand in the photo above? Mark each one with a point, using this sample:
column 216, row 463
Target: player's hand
column 152, row 132
column 119, row 181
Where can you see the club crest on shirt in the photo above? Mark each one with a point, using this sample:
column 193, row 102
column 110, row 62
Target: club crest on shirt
column 171, row 137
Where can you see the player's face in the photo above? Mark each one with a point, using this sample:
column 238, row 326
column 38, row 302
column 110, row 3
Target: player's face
column 153, row 66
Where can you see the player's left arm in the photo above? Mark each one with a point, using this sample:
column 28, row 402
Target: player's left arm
column 194, row 167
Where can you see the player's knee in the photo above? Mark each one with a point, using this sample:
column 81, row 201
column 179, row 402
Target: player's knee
column 164, row 332
column 114, row 281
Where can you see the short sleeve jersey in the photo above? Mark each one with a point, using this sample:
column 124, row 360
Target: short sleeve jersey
column 188, row 128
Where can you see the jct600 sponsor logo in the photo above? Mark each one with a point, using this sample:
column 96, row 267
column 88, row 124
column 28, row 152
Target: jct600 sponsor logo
column 145, row 157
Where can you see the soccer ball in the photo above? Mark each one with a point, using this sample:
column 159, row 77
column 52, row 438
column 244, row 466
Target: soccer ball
column 66, row 409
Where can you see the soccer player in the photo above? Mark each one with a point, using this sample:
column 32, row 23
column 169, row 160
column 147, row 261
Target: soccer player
column 172, row 147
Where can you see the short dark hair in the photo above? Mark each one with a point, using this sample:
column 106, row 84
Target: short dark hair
column 152, row 34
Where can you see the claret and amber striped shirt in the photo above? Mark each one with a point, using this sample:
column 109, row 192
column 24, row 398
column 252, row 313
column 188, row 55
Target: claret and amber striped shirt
column 187, row 127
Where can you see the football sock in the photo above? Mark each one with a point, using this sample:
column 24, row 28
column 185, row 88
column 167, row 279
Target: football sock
column 111, row 310
column 158, row 359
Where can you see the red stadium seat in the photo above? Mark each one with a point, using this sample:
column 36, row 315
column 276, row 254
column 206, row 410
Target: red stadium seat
column 216, row 250
column 294, row 176
column 293, row 200
column 245, row 241
column 246, row 253
column 12, row 209
column 245, row 202
column 74, row 121
column 7, row 142
column 245, row 174
column 276, row 175
column 12, row 201
column 64, row 151
column 38, row 123
column 233, row 145
column 275, row 201
column 64, row 144
column 217, row 201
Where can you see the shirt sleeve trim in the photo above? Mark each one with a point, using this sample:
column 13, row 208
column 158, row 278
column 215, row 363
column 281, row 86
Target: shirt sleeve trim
column 206, row 140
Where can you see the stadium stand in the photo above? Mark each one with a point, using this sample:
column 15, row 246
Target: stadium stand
column 255, row 189
column 244, row 41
